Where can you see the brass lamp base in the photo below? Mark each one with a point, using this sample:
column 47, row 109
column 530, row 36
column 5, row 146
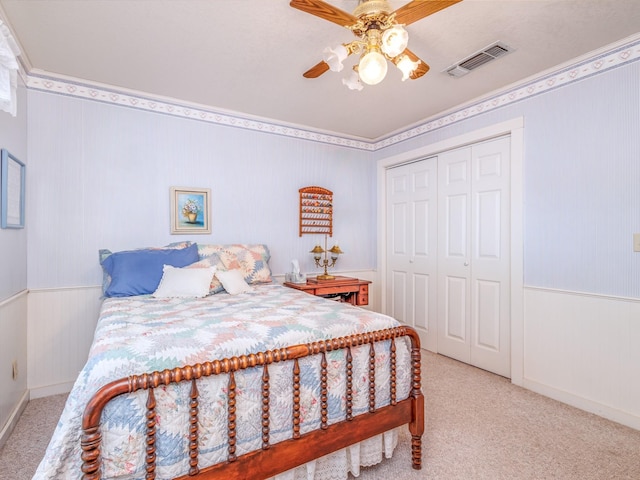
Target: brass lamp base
column 325, row 277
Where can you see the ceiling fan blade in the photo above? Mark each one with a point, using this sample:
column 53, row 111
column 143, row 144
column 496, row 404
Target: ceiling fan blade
column 418, row 9
column 422, row 67
column 324, row 10
column 316, row 70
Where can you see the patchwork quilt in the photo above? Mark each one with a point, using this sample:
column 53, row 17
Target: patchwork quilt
column 142, row 334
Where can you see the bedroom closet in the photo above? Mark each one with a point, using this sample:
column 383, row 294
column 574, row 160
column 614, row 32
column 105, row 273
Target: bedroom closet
column 448, row 252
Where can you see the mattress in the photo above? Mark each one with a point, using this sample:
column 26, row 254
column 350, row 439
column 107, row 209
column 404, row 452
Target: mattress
column 142, row 334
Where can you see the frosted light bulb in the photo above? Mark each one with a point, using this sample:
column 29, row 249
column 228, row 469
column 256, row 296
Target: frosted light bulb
column 372, row 68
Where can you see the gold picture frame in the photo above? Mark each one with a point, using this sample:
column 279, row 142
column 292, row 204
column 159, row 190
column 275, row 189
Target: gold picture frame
column 190, row 210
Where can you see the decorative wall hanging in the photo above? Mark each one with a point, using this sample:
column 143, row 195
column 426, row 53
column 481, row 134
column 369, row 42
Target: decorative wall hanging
column 190, row 210
column 12, row 173
column 316, row 211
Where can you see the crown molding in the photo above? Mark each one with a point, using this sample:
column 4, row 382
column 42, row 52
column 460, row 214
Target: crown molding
column 607, row 58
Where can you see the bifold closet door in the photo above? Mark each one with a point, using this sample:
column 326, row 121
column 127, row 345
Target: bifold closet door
column 474, row 255
column 411, row 222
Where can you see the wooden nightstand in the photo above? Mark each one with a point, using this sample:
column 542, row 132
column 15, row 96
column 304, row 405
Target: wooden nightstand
column 352, row 290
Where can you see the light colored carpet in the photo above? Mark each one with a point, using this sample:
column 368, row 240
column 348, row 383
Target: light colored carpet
column 478, row 426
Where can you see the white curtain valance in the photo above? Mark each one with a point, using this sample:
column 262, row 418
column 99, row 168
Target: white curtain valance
column 9, row 52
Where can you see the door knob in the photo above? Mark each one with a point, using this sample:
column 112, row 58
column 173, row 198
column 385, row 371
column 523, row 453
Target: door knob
column 466, row 264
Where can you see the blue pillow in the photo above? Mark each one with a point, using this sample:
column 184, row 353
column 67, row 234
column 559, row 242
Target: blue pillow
column 138, row 272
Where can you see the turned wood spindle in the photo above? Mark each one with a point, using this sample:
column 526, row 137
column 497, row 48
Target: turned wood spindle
column 231, row 417
column 296, row 399
column 150, row 459
column 392, row 371
column 324, row 404
column 372, row 378
column 265, row 407
column 349, row 392
column 193, row 429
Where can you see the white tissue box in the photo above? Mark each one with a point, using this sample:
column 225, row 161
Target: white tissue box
column 295, row 278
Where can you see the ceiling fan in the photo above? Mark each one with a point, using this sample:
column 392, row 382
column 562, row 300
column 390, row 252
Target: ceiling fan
column 380, row 37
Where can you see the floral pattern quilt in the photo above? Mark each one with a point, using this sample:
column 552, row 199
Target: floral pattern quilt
column 142, row 334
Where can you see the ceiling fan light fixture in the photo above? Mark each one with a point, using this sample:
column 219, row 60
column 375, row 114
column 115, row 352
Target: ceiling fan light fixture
column 406, row 66
column 372, row 67
column 394, row 40
column 353, row 82
column 334, row 57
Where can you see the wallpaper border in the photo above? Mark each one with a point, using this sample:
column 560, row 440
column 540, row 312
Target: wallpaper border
column 613, row 58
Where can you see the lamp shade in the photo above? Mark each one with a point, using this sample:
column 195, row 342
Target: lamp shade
column 334, row 57
column 406, row 66
column 394, row 41
column 353, row 82
column 317, row 252
column 372, row 68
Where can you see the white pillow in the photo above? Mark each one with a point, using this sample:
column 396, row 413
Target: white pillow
column 184, row 282
column 233, row 282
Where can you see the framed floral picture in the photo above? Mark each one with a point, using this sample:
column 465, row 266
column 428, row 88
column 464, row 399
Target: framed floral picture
column 190, row 210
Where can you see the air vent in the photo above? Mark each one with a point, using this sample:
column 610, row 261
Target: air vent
column 485, row 55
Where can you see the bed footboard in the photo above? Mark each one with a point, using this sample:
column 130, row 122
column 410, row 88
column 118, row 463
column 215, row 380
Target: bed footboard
column 272, row 458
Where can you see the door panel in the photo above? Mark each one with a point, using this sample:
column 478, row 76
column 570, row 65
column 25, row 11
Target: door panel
column 453, row 257
column 473, row 266
column 456, row 227
column 487, row 315
column 412, row 246
column 421, row 300
column 455, row 313
column 488, row 240
column 490, row 263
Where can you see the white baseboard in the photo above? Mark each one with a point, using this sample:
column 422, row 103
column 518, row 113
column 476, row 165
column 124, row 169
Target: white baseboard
column 49, row 390
column 13, row 418
column 618, row 416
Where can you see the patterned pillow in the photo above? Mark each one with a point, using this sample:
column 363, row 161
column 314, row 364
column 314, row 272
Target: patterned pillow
column 251, row 259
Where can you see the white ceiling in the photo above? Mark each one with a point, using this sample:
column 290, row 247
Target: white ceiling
column 248, row 56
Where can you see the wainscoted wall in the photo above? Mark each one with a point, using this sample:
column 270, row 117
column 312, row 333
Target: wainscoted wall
column 13, row 341
column 61, row 326
column 583, row 350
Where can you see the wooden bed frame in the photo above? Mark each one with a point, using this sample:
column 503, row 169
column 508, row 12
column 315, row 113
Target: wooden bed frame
column 276, row 458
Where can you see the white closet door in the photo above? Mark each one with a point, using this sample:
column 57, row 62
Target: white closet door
column 412, row 247
column 474, row 255
column 454, row 225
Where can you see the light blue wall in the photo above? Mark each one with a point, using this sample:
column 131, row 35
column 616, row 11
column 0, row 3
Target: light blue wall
column 581, row 181
column 99, row 177
column 13, row 242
